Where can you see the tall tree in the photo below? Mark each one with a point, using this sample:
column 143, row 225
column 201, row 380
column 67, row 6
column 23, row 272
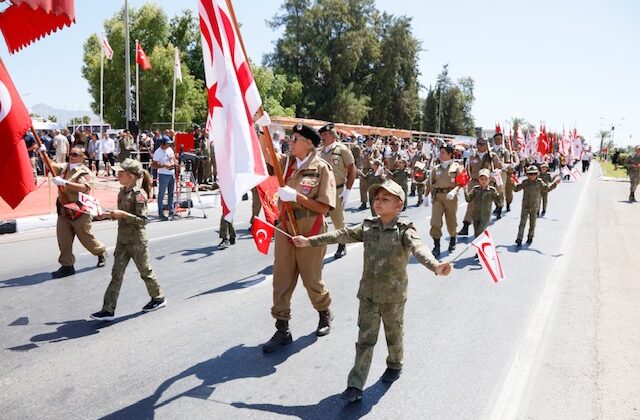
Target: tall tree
column 447, row 108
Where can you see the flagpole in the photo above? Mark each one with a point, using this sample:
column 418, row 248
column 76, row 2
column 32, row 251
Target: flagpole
column 127, row 64
column 272, row 152
column 137, row 87
column 274, row 227
column 173, row 105
column 101, row 85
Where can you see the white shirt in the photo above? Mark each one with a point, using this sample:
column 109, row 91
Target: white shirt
column 164, row 157
column 108, row 146
column 61, row 144
column 301, row 162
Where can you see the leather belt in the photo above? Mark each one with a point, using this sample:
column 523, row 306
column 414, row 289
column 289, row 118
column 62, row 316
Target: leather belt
column 339, row 186
column 442, row 190
column 303, row 213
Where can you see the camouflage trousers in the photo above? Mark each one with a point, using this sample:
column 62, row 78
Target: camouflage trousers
column 505, row 192
column 140, row 255
column 370, row 314
column 544, row 197
column 635, row 180
column 530, row 213
column 419, row 187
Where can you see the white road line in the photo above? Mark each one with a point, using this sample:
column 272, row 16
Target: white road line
column 508, row 403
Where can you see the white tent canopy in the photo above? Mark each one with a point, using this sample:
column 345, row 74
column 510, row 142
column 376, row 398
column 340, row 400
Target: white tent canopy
column 40, row 124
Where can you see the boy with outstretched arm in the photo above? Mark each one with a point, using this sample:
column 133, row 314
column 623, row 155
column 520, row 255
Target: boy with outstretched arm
column 388, row 244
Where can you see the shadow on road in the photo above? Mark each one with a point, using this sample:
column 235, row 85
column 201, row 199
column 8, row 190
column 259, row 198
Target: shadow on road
column 242, row 283
column 238, row 362
column 35, row 279
column 525, row 248
column 329, row 408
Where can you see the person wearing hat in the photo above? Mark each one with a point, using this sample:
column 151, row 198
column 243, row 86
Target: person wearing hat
column 545, row 176
column 132, row 242
column 418, row 165
column 507, row 159
column 482, row 158
column 73, row 178
column 311, row 191
column 377, row 175
column 441, row 184
column 369, row 154
column 383, row 287
column 342, row 162
column 400, row 175
column 533, row 187
column 632, row 163
column 481, row 196
column 164, row 160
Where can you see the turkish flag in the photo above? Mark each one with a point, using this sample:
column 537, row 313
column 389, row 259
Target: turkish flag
column 142, row 59
column 262, row 233
column 268, row 193
column 488, row 255
column 15, row 165
column 462, row 178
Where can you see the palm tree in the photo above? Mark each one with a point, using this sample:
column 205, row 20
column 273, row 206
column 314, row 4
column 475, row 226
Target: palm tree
column 603, row 135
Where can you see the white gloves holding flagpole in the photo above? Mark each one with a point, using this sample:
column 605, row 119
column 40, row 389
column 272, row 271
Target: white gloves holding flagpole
column 59, row 181
column 287, row 194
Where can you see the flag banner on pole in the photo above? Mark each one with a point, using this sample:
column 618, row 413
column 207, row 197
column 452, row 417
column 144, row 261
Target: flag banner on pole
column 268, row 193
column 233, row 101
column 566, row 172
column 26, row 21
column 142, row 59
column 488, row 256
column 15, row 166
column 177, row 68
column 262, row 233
column 89, row 204
column 576, row 173
column 496, row 175
column 106, row 48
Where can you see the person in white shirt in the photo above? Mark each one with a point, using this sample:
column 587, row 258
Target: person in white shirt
column 586, row 160
column 108, row 149
column 61, row 144
column 165, row 162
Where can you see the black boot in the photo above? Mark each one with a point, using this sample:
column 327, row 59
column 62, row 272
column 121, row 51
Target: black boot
column 64, row 271
column 543, row 213
column 632, row 198
column 529, row 240
column 324, row 324
column 498, row 212
column 363, row 206
column 518, row 242
column 436, row 248
column 452, row 244
column 341, row 252
column 102, row 259
column 280, row 338
column 508, row 208
column 391, row 375
column 352, row 395
column 465, row 229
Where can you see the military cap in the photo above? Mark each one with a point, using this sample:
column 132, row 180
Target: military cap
column 533, row 169
column 308, row 133
column 497, row 134
column 448, row 148
column 544, row 165
column 390, row 187
column 131, row 166
column 326, row 127
column 484, row 172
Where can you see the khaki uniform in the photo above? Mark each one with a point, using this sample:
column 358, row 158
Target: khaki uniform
column 634, row 173
column 531, row 203
column 66, row 228
column 340, row 158
column 401, row 177
column 481, row 200
column 418, row 182
column 505, row 191
column 368, row 155
column 314, row 180
column 132, row 243
column 441, row 182
column 475, row 163
column 383, row 286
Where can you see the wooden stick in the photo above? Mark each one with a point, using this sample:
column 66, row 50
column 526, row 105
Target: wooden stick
column 272, row 152
column 273, row 226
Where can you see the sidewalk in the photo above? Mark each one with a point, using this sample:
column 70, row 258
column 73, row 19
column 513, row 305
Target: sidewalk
column 38, row 209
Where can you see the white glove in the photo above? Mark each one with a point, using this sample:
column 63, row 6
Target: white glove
column 287, row 194
column 345, row 195
column 42, row 148
column 452, row 194
column 425, row 203
column 59, row 181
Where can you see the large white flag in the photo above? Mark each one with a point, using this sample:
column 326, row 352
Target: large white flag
column 488, row 255
column 233, row 101
column 106, row 48
column 177, row 68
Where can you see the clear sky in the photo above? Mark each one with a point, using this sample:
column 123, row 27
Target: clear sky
column 560, row 61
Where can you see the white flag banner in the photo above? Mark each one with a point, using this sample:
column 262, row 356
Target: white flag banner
column 89, row 204
column 233, row 101
column 106, row 48
column 177, row 68
column 565, row 171
column 488, row 255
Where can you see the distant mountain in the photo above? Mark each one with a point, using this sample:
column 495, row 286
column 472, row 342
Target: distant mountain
column 63, row 115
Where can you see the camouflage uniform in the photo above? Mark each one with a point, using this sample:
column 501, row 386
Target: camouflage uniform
column 475, row 163
column 383, row 286
column 132, row 243
column 372, row 180
column 481, row 200
column 531, row 203
column 634, row 173
column 401, row 177
column 546, row 178
column 368, row 155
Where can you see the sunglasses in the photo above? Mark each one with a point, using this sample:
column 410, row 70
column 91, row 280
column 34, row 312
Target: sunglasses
column 75, row 155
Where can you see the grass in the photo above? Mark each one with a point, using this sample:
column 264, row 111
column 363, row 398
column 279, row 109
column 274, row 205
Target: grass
column 607, row 170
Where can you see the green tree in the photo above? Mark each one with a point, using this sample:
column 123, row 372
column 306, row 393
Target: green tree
column 184, row 33
column 52, row 118
column 603, row 135
column 447, row 108
column 279, row 94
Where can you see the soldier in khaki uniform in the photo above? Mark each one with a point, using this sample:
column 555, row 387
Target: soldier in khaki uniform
column 342, row 162
column 383, row 287
column 74, row 177
column 483, row 158
column 132, row 240
column 417, row 183
column 311, row 190
column 445, row 203
column 369, row 154
column 396, row 153
column 505, row 159
column 532, row 187
column 482, row 197
column 632, row 163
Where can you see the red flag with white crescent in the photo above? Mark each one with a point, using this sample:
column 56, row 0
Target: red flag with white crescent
column 15, row 166
column 488, row 255
column 142, row 59
column 262, row 233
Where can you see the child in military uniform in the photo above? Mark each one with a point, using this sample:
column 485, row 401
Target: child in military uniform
column 132, row 240
column 533, row 187
column 400, row 176
column 545, row 176
column 383, row 287
column 482, row 197
column 375, row 177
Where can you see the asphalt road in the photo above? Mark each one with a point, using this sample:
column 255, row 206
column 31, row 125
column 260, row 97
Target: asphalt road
column 200, row 357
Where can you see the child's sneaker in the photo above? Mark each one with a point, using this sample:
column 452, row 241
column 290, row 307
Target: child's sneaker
column 352, row 394
column 103, row 316
column 154, row 304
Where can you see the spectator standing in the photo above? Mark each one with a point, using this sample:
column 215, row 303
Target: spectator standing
column 30, row 142
column 164, row 161
column 61, row 144
column 108, row 150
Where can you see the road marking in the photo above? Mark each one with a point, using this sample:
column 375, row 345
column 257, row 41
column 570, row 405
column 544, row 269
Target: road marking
column 508, row 403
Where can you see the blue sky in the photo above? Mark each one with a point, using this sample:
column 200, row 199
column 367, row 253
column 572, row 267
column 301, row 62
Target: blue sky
column 562, row 61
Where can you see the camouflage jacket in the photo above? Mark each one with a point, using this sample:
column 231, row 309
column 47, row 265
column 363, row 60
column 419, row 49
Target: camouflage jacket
column 546, row 177
column 532, row 191
column 386, row 255
column 629, row 162
column 401, row 177
column 131, row 230
column 482, row 201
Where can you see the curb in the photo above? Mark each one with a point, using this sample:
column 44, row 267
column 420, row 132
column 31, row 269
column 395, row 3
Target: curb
column 33, row 223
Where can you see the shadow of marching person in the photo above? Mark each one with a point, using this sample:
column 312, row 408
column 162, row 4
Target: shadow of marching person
column 332, row 407
column 238, row 362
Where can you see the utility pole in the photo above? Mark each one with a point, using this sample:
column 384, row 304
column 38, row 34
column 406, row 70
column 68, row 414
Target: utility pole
column 127, row 64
